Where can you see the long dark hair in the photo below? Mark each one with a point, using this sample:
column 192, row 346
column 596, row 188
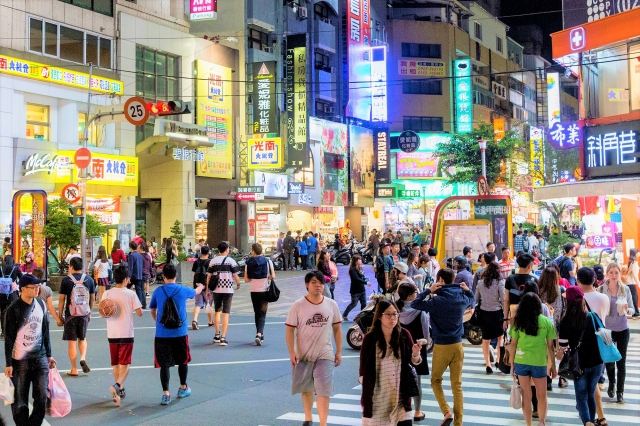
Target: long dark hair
column 633, row 253
column 549, row 284
column 116, row 246
column 529, row 309
column 376, row 329
column 404, row 291
column 575, row 316
column 492, row 270
column 354, row 261
column 102, row 254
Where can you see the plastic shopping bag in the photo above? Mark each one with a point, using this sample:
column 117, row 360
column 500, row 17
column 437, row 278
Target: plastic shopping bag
column 7, row 390
column 59, row 398
column 516, row 395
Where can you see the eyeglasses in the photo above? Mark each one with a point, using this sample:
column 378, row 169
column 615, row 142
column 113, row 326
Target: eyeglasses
column 391, row 315
column 32, row 287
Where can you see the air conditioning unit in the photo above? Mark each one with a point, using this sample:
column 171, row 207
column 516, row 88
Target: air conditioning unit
column 302, row 12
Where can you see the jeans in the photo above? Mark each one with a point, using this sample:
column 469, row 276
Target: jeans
column 139, row 288
column 311, row 259
column 362, row 297
column 29, row 372
column 260, row 305
column 585, row 387
column 634, row 297
column 451, row 357
column 289, row 259
column 304, row 261
column 621, row 339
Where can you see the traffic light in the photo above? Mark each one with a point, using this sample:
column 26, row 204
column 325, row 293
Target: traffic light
column 161, row 108
column 77, row 215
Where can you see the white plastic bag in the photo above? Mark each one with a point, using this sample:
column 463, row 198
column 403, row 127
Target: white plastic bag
column 59, row 398
column 516, row 395
column 7, row 391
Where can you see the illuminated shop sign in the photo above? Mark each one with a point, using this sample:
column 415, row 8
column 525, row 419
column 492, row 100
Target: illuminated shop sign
column 200, row 10
column 536, row 162
column 463, row 95
column 264, row 99
column 565, row 135
column 385, row 192
column 381, row 146
column 612, row 150
column 265, row 153
column 553, row 97
column 296, row 100
column 379, row 83
column 358, row 42
column 416, row 165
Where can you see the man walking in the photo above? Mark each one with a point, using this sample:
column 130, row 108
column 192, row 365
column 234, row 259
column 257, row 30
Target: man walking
column 516, row 286
column 171, row 345
column 120, row 330
column 311, row 322
column 136, row 263
column 27, row 350
column 566, row 263
column 312, row 246
column 462, row 273
column 77, row 294
column 383, row 267
column 446, row 310
column 223, row 271
column 289, row 245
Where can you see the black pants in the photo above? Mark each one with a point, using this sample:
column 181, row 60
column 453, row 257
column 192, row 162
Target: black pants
column 183, row 369
column 260, row 305
column 304, row 260
column 27, row 373
column 355, row 298
column 634, row 296
column 621, row 338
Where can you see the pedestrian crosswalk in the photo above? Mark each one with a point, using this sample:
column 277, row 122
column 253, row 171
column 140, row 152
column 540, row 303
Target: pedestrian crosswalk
column 486, row 399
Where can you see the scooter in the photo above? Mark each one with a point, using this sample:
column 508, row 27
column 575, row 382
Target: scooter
column 362, row 322
column 277, row 258
column 344, row 254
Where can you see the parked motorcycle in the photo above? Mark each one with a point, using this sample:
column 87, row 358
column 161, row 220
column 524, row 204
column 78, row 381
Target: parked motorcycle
column 472, row 331
column 277, row 258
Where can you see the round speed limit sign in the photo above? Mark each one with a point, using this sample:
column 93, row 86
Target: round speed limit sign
column 135, row 111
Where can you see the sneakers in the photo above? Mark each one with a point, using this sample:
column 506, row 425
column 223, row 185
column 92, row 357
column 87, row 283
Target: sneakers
column 122, row 393
column 166, row 399
column 184, row 392
column 489, row 370
column 115, row 394
column 216, row 338
column 223, row 341
column 194, row 325
column 259, row 339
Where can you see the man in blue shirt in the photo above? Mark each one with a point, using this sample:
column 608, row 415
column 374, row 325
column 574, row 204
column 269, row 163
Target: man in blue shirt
column 312, row 245
column 171, row 345
column 136, row 263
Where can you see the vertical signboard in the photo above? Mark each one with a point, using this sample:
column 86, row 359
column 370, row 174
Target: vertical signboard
column 29, row 219
column 381, row 147
column 296, row 100
column 498, row 128
column 358, row 42
column 379, row 83
column 362, row 169
column 463, row 95
column 553, row 97
column 214, row 111
column 200, row 10
column 264, row 99
column 536, row 156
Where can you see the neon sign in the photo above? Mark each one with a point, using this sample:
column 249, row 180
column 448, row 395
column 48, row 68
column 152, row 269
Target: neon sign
column 463, row 95
column 565, row 135
column 613, row 149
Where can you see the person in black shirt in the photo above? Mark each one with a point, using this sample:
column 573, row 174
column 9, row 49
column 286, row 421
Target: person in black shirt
column 517, row 285
column 203, row 300
column 357, row 290
column 577, row 328
column 12, row 271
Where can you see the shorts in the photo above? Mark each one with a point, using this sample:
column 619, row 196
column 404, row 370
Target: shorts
column 313, row 376
column 75, row 328
column 169, row 351
column 204, row 299
column 104, row 282
column 222, row 302
column 120, row 350
column 537, row 372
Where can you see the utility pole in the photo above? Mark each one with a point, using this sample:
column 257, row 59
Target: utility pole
column 483, row 149
column 85, row 175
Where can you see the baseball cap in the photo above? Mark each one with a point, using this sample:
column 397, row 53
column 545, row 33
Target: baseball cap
column 28, row 279
column 574, row 294
column 402, row 267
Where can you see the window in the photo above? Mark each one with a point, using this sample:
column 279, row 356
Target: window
column 322, row 12
column 104, row 7
column 422, row 124
column 421, row 50
column 323, row 62
column 423, row 86
column 477, row 30
column 95, row 138
column 259, row 40
column 499, row 44
column 37, row 122
column 482, row 98
column 48, row 38
column 305, row 175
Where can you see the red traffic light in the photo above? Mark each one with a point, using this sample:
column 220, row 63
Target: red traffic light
column 168, row 108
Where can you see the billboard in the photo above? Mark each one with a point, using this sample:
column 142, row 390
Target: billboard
column 264, row 98
column 296, row 100
column 612, row 150
column 214, row 109
column 334, row 175
column 358, row 48
column 578, row 12
column 463, row 95
column 275, row 184
column 553, row 97
column 362, row 169
column 379, row 83
column 421, row 68
column 417, row 165
column 200, row 10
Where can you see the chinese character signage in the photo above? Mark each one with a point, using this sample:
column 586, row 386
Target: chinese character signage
column 379, row 83
column 250, row 189
column 498, row 128
column 296, row 100
column 214, row 105
column 358, row 47
column 463, row 95
column 421, row 68
column 612, row 150
column 536, row 156
column 265, row 153
column 416, row 165
column 553, row 97
column 381, row 146
column 200, row 10
column 408, row 141
column 264, row 99
column 57, row 75
column 409, row 193
column 564, row 135
column 187, row 154
column 362, row 165
column 385, row 192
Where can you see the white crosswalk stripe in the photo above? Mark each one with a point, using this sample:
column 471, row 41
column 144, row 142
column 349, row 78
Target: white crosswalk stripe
column 486, row 399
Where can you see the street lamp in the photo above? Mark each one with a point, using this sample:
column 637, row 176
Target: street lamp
column 483, row 149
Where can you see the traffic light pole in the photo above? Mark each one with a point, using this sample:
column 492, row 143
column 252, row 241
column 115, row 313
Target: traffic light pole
column 85, row 173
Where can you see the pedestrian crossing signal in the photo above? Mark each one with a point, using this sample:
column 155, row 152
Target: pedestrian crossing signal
column 77, row 215
column 161, row 108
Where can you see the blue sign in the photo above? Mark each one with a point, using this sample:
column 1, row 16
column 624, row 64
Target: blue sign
column 565, row 135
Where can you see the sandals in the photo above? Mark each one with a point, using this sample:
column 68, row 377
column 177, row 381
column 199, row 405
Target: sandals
column 602, row 422
column 419, row 418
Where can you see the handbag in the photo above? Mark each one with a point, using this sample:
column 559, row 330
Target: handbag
column 569, row 367
column 503, row 354
column 515, row 399
column 215, row 276
column 273, row 292
column 608, row 350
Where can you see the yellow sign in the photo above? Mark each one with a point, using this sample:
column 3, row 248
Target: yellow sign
column 498, row 128
column 214, row 109
column 300, row 69
column 265, row 153
column 536, row 164
column 36, row 71
column 421, row 68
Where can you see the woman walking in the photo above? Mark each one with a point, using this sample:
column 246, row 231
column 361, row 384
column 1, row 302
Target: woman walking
column 417, row 324
column 101, row 268
column 551, row 296
column 634, row 279
column 385, row 370
column 489, row 295
column 532, row 336
column 324, row 267
column 576, row 330
column 117, row 254
column 258, row 272
column 148, row 268
column 357, row 288
column 620, row 304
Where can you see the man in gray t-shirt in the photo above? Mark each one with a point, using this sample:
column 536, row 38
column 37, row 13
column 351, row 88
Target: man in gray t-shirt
column 310, row 324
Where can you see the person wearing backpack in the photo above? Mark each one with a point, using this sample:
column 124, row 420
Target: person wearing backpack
column 566, row 264
column 199, row 270
column 171, row 345
column 77, row 295
column 27, row 349
column 258, row 273
column 10, row 273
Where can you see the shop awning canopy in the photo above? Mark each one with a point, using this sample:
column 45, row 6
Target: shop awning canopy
column 169, row 141
column 611, row 187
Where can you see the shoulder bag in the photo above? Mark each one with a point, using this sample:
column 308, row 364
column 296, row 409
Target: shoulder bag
column 608, row 350
column 215, row 276
column 273, row 292
column 569, row 367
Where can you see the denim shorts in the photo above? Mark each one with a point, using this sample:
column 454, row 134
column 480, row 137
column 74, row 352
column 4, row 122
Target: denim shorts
column 537, row 372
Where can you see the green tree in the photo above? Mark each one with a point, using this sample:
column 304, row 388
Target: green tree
column 461, row 159
column 177, row 234
column 61, row 233
column 556, row 210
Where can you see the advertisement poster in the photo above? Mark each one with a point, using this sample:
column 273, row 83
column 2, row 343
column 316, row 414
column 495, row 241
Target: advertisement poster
column 417, row 165
column 200, row 10
column 421, row 68
column 334, row 176
column 553, row 97
column 29, row 219
column 264, row 98
column 362, row 171
column 214, row 104
column 275, row 185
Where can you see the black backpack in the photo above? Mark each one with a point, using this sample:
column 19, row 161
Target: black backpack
column 170, row 315
column 215, row 275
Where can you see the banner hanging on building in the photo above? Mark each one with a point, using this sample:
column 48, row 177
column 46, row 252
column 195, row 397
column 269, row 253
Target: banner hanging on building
column 463, row 95
column 381, row 154
column 358, row 47
column 264, row 98
column 296, row 100
column 362, row 170
column 553, row 98
column 536, row 151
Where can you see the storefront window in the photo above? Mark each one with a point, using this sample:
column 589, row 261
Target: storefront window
column 634, row 76
column 92, row 49
column 71, row 44
column 37, row 122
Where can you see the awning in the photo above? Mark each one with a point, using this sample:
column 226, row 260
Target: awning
column 169, row 133
column 585, row 188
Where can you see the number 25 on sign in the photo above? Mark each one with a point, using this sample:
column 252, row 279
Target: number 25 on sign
column 135, row 111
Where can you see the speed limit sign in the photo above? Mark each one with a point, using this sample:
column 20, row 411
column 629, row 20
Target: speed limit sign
column 135, row 111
